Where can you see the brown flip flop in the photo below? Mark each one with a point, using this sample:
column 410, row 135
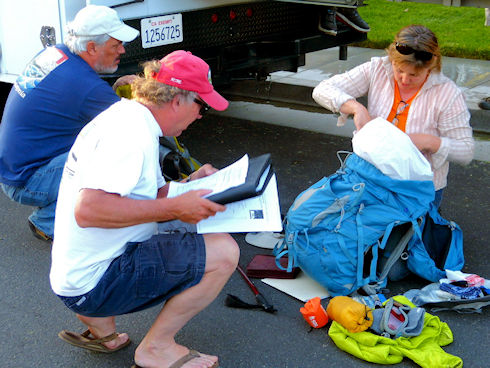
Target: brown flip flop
column 86, row 340
column 188, row 357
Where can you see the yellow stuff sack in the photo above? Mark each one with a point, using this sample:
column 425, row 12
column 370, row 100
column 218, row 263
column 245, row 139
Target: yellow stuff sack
column 352, row 315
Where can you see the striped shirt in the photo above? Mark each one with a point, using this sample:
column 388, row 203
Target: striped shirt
column 438, row 109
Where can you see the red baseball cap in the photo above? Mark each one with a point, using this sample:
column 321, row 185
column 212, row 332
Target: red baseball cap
column 186, row 71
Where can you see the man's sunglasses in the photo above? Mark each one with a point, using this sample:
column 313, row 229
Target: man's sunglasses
column 407, row 50
column 204, row 106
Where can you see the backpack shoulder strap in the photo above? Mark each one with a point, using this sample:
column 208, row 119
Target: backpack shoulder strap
column 398, row 250
column 396, row 254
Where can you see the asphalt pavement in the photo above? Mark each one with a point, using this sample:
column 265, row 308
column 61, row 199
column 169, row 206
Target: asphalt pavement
column 31, row 315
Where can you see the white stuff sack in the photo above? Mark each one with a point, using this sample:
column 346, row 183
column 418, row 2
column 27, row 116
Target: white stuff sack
column 391, row 151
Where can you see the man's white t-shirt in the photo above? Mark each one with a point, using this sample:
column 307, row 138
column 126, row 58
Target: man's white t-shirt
column 118, row 153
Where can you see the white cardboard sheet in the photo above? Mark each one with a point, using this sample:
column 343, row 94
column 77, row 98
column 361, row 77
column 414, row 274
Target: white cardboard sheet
column 303, row 287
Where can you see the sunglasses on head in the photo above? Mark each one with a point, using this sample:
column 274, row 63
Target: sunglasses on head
column 407, row 50
column 204, row 106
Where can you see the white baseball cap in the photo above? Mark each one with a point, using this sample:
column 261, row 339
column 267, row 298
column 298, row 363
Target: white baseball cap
column 95, row 20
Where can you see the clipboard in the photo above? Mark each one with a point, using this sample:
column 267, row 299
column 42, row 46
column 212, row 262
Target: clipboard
column 258, row 175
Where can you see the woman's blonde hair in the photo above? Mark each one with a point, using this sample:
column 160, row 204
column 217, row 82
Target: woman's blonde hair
column 147, row 90
column 419, row 38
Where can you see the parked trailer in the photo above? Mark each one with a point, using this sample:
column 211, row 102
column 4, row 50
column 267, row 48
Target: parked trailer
column 239, row 39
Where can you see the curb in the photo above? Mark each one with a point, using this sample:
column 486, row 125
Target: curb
column 298, row 97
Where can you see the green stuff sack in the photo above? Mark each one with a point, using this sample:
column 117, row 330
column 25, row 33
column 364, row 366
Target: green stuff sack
column 425, row 349
column 124, row 91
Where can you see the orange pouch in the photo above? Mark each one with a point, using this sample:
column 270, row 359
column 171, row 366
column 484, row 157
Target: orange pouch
column 314, row 313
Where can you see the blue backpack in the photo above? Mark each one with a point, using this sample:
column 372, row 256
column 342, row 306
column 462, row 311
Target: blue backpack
column 343, row 219
column 439, row 248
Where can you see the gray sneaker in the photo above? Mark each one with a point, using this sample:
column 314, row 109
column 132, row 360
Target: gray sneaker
column 351, row 17
column 327, row 23
column 484, row 103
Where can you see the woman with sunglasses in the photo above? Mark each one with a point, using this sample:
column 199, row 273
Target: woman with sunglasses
column 407, row 88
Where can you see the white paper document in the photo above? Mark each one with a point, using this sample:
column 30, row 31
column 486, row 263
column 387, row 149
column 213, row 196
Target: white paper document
column 260, row 213
column 229, row 177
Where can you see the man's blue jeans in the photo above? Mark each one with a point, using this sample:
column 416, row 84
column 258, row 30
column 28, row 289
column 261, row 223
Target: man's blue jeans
column 41, row 190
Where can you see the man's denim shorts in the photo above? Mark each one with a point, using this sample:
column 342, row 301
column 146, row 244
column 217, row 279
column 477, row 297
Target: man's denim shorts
column 145, row 275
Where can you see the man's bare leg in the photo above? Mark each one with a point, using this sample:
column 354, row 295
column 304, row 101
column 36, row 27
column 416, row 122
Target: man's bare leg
column 158, row 348
column 102, row 327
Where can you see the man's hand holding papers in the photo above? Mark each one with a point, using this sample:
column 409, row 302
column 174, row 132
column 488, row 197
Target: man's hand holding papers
column 259, row 213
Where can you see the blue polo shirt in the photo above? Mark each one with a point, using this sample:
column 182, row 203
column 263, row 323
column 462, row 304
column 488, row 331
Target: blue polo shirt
column 56, row 95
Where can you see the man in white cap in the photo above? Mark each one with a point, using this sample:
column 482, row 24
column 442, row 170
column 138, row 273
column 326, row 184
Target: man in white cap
column 120, row 244
column 56, row 95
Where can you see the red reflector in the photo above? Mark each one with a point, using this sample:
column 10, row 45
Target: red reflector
column 214, row 18
column 232, row 15
column 249, row 12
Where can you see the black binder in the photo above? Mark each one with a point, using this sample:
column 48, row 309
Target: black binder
column 258, row 175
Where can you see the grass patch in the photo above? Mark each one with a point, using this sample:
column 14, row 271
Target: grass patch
column 460, row 30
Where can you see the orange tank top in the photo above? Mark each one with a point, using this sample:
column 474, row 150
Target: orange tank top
column 399, row 110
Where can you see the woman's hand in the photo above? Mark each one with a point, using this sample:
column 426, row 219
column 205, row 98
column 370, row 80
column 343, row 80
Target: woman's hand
column 361, row 118
column 360, row 113
column 426, row 143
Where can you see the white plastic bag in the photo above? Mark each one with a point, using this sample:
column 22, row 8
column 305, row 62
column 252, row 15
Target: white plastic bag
column 391, row 151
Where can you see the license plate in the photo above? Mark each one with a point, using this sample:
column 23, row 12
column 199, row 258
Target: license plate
column 162, row 30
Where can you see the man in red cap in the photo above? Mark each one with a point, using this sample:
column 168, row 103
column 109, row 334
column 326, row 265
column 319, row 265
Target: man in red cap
column 120, row 244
